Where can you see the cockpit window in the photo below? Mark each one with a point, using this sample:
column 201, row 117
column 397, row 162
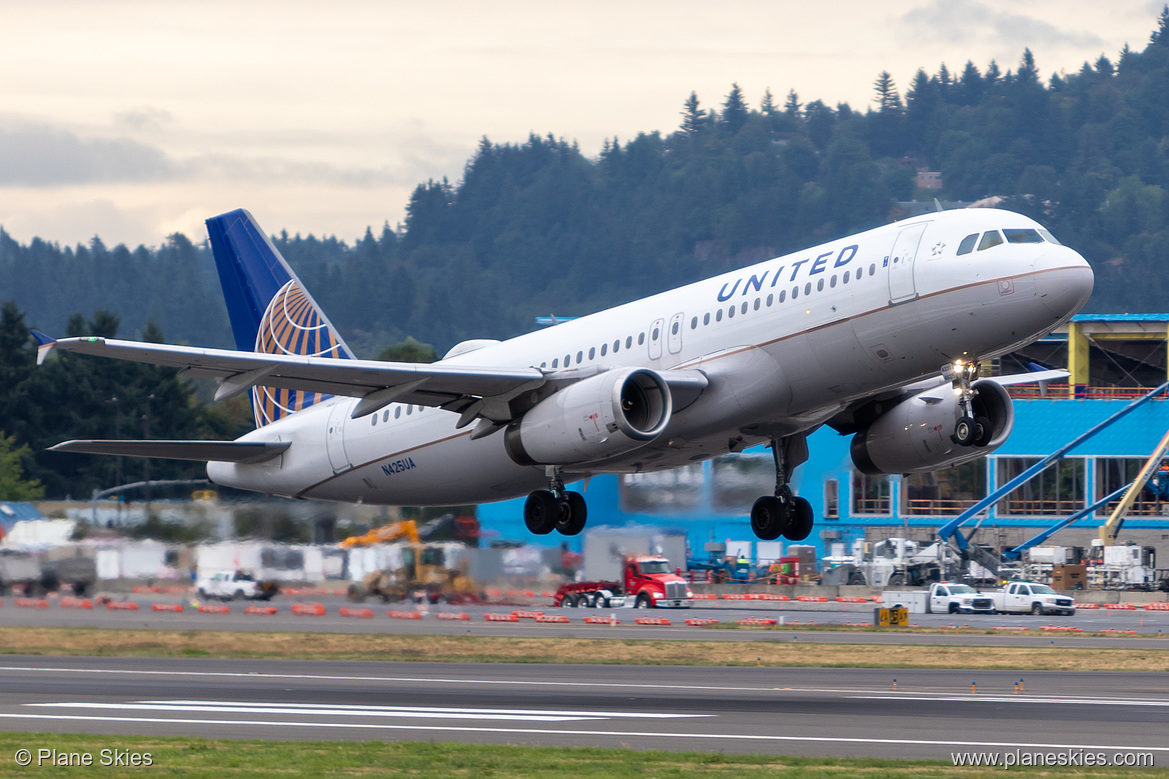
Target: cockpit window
column 967, row 244
column 1049, row 237
column 990, row 239
column 1018, row 235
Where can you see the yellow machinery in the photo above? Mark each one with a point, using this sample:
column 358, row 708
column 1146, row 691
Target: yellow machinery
column 423, row 569
column 385, row 534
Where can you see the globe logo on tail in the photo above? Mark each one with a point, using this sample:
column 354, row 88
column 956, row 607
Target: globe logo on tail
column 292, row 324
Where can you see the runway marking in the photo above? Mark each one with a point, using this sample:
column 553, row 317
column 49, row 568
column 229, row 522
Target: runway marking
column 329, row 709
column 371, row 707
column 508, row 682
column 618, row 734
column 1015, row 699
column 408, row 679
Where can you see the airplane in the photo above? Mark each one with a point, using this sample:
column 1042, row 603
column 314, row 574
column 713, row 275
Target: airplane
column 879, row 335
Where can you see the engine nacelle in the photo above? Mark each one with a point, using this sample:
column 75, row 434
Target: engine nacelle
column 914, row 435
column 595, row 418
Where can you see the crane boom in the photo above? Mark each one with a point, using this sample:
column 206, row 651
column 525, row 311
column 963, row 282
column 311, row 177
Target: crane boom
column 1110, row 528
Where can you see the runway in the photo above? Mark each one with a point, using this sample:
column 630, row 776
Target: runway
column 845, row 712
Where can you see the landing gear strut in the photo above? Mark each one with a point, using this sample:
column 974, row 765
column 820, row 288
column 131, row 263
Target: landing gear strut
column 555, row 509
column 784, row 514
column 971, row 429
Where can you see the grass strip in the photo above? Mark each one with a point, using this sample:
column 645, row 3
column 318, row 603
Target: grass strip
column 493, row 649
column 197, row 758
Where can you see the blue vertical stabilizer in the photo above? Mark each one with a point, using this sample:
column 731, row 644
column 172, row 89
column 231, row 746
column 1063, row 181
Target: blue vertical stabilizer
column 270, row 310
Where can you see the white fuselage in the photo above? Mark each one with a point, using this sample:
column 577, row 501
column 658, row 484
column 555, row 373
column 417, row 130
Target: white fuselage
column 785, row 345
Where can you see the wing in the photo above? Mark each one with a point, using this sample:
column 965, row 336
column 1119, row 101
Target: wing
column 475, row 392
column 224, row 451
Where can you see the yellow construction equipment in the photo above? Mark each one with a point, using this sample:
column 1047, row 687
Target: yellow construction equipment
column 385, row 534
column 423, row 569
column 423, row 574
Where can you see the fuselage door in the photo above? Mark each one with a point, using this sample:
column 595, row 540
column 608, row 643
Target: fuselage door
column 900, row 264
column 655, row 339
column 674, row 337
column 335, row 436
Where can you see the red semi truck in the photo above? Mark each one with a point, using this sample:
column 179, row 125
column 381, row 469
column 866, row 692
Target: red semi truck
column 648, row 581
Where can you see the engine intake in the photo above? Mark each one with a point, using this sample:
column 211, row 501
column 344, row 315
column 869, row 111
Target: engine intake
column 914, row 435
column 595, row 418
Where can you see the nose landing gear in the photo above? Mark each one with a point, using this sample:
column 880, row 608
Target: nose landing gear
column 971, row 429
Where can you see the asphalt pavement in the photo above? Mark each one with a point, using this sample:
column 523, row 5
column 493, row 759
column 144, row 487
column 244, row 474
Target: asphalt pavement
column 847, row 712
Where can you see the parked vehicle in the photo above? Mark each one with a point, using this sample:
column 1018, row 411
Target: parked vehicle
column 236, row 585
column 32, row 575
column 648, row 581
column 1024, row 597
column 941, row 598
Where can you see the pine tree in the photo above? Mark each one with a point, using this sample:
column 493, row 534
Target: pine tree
column 13, row 484
column 792, row 106
column 693, row 117
column 767, row 104
column 735, row 111
column 1160, row 36
column 887, row 98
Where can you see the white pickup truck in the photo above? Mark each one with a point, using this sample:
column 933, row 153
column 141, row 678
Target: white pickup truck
column 942, row 598
column 1024, row 597
column 235, row 585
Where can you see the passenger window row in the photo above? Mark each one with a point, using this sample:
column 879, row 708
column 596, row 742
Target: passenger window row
column 410, row 409
column 729, row 312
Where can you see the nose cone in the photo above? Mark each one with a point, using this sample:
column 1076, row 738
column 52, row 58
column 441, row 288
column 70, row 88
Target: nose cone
column 1065, row 281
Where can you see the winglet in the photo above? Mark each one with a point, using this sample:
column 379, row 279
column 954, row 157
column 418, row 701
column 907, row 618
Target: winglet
column 45, row 345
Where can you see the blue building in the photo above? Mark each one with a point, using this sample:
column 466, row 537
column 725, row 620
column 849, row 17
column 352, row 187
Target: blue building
column 1112, row 360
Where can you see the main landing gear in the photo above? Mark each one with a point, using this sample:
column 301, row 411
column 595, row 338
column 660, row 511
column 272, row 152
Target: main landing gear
column 784, row 514
column 555, row 509
column 971, row 429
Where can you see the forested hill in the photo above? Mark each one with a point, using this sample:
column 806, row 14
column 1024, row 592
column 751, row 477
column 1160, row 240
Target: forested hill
column 539, row 228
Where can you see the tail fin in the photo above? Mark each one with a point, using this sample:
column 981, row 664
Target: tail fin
column 270, row 311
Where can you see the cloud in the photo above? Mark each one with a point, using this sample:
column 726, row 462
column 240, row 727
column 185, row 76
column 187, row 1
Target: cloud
column 145, row 118
column 966, row 21
column 38, row 155
column 77, row 221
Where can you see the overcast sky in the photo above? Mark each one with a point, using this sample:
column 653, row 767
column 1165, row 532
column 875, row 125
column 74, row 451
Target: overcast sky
column 132, row 120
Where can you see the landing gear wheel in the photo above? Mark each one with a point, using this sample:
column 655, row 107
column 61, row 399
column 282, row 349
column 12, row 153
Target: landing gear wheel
column 769, row 518
column 541, row 512
column 572, row 515
column 800, row 520
column 964, row 431
column 983, row 430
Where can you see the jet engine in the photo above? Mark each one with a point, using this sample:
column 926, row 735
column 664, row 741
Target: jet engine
column 598, row 417
column 917, row 434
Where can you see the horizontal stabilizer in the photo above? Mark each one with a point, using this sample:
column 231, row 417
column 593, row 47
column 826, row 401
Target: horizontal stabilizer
column 220, row 451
